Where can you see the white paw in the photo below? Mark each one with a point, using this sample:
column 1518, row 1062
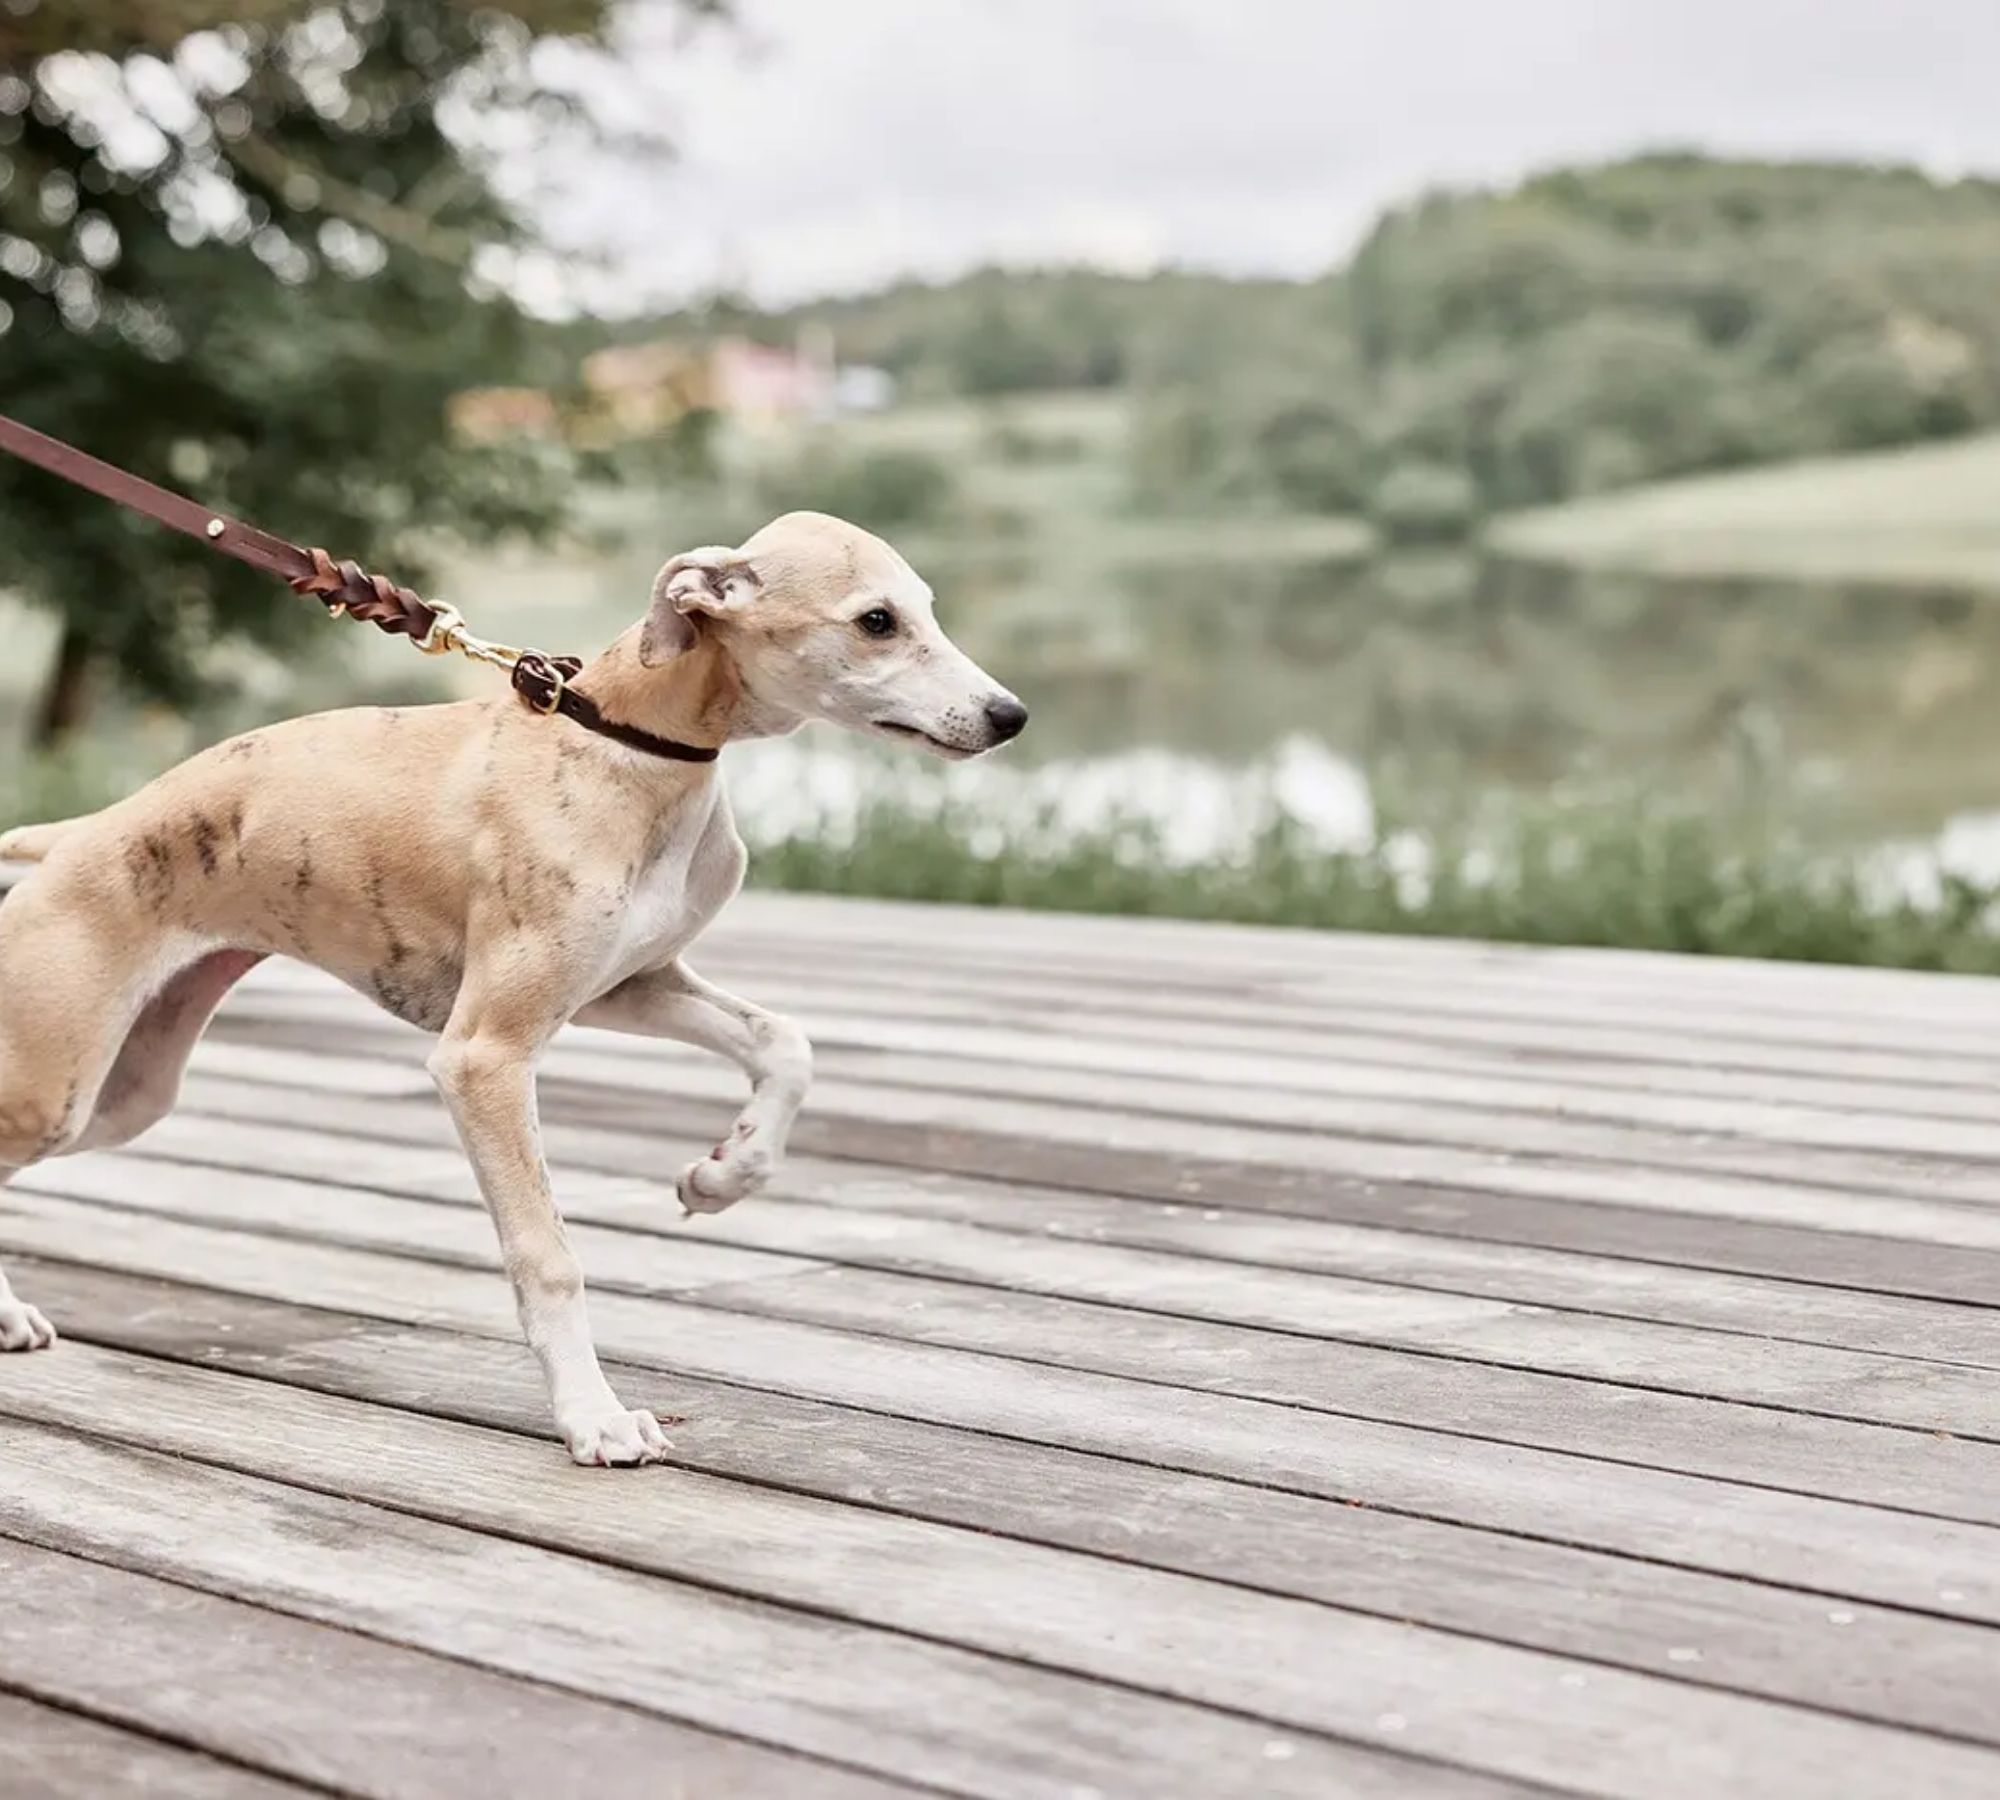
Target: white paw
column 616, row 1440
column 24, row 1327
column 736, row 1170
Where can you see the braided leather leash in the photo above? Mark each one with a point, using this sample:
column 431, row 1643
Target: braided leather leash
column 347, row 589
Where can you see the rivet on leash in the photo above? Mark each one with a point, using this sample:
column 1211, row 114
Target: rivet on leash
column 216, row 528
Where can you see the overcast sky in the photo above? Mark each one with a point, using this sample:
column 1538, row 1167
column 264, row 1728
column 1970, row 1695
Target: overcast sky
column 830, row 145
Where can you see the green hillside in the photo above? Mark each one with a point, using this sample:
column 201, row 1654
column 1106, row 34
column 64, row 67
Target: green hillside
column 1588, row 330
column 1928, row 513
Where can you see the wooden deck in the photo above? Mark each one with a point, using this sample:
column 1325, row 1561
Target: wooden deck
column 1178, row 1361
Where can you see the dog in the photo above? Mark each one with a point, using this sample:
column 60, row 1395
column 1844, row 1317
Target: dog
column 489, row 876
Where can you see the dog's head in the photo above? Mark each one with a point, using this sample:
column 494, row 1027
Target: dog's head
column 825, row 621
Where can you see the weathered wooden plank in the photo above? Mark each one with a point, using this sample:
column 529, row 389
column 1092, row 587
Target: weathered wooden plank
column 282, row 1695
column 1894, row 1667
column 1817, row 1455
column 1308, row 1669
column 1204, row 1007
column 1196, row 991
column 1288, row 954
column 838, row 919
column 1389, row 1033
column 575, row 1119
column 47, row 1753
column 1924, row 1200
column 1908, row 1195
column 1856, row 1080
column 1368, row 1100
column 811, row 1683
column 282, row 1207
column 1010, row 1059
column 823, row 933
column 1326, row 1095
column 1198, row 994
column 1822, row 1546
column 666, row 1258
column 1346, row 1061
column 844, row 1201
column 1523, row 1115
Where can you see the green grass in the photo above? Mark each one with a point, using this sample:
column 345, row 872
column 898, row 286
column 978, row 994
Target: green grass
column 1616, row 871
column 1929, row 514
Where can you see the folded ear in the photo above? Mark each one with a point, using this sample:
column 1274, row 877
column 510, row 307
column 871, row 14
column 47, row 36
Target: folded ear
column 714, row 580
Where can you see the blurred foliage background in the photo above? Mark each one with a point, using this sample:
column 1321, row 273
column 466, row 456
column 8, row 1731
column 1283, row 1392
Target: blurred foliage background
column 251, row 249
column 1317, row 536
column 1588, row 330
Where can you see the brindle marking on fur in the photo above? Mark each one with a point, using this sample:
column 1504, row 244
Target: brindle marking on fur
column 286, row 908
column 206, row 836
column 378, row 899
column 567, row 752
column 423, row 998
column 505, row 887
column 236, row 833
column 238, row 748
column 52, row 1139
column 149, row 865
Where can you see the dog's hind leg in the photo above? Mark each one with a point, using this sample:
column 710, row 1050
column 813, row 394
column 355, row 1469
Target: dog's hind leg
column 22, row 1327
column 145, row 1079
column 74, row 992
column 674, row 1002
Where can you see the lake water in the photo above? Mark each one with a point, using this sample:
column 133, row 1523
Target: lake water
column 1856, row 717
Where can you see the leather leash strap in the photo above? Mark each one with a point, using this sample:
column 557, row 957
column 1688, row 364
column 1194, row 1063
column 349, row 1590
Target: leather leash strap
column 346, row 588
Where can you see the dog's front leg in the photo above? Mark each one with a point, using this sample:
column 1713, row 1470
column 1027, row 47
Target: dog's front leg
column 673, row 1001
column 488, row 1082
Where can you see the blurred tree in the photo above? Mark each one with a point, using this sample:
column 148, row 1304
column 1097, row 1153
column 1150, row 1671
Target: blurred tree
column 250, row 248
column 1591, row 328
column 885, row 489
column 1424, row 502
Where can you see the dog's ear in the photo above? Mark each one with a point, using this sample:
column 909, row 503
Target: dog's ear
column 715, row 580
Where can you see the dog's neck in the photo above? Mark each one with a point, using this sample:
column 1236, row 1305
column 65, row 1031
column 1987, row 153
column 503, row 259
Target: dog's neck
column 698, row 697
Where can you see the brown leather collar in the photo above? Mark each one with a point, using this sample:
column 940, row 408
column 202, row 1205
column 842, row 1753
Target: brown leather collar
column 543, row 682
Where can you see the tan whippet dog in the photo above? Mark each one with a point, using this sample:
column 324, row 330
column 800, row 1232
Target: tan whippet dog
column 487, row 875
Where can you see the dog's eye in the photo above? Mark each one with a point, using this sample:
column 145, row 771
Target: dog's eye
column 877, row 621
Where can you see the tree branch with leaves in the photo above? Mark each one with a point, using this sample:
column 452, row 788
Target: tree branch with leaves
column 252, row 249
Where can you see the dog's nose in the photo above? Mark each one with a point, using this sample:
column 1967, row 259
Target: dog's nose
column 1006, row 715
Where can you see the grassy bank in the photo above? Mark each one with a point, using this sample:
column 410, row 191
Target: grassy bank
column 1920, row 516
column 1621, row 872
column 1615, row 872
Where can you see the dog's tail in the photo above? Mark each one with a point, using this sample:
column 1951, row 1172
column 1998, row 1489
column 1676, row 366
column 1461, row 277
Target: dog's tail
column 31, row 843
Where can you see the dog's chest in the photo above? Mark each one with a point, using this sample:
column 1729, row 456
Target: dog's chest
column 668, row 901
